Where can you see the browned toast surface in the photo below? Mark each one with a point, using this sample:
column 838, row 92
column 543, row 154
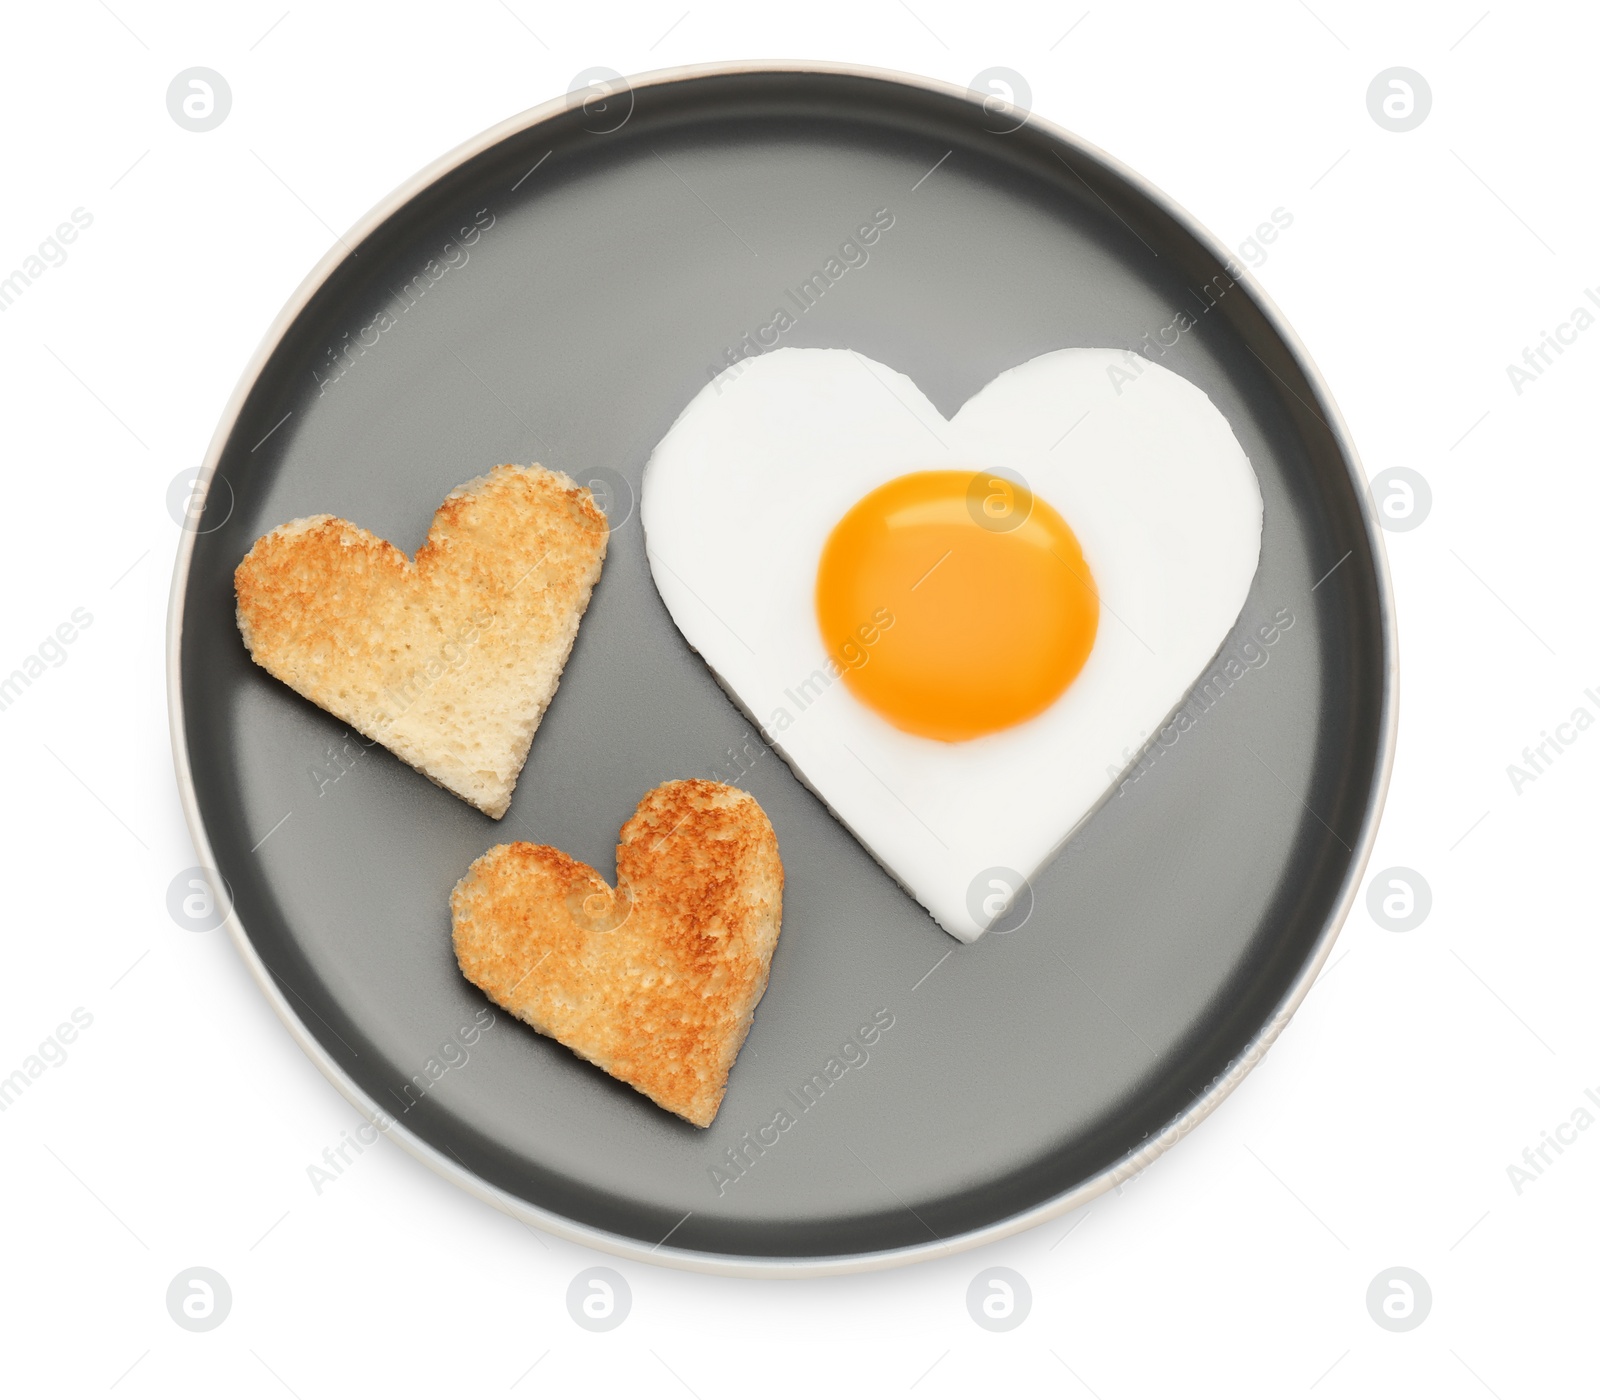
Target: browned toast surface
column 656, row 981
column 449, row 659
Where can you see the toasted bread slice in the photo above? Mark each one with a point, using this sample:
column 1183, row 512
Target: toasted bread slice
column 657, row 981
column 448, row 660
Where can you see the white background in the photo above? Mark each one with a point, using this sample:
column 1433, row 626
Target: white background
column 1376, row 1134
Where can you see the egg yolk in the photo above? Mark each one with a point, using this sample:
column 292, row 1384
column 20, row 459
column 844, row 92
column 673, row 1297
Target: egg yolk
column 955, row 603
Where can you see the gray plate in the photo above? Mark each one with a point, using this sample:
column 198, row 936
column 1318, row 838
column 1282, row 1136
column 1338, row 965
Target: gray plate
column 622, row 248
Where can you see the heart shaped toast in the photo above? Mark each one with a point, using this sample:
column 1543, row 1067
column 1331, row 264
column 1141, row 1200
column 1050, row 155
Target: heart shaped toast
column 656, row 981
column 450, row 659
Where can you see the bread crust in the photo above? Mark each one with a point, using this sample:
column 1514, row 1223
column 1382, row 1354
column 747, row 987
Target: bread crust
column 655, row 981
column 449, row 659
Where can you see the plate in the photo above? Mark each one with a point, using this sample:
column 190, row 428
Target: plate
column 557, row 290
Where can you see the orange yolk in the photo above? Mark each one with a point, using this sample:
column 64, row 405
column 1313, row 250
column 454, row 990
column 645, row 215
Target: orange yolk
column 955, row 604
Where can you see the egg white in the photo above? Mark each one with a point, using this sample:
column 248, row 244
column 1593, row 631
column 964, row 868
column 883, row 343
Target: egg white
column 743, row 491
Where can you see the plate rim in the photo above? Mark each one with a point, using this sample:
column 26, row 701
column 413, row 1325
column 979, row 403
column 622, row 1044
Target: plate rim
column 798, row 1266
